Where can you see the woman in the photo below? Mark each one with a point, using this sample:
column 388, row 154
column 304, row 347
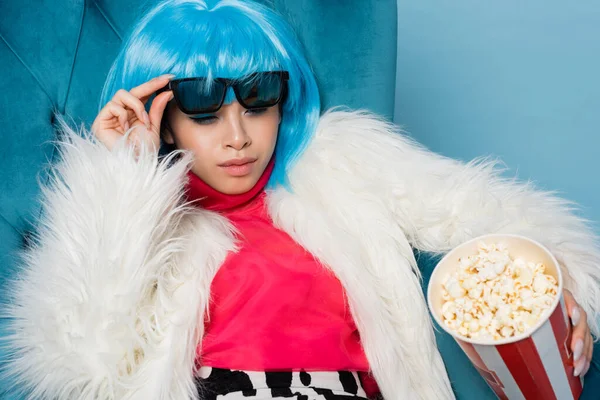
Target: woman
column 269, row 254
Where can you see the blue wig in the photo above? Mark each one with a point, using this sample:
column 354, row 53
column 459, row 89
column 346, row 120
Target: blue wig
column 229, row 39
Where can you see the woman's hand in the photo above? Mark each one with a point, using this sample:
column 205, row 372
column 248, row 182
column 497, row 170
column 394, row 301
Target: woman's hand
column 582, row 342
column 126, row 110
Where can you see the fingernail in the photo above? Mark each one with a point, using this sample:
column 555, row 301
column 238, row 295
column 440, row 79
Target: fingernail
column 171, row 96
column 146, row 118
column 170, row 76
column 586, row 369
column 575, row 315
column 126, row 126
column 579, row 367
column 578, row 349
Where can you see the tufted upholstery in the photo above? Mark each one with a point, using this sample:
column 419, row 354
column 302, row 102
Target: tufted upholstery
column 55, row 56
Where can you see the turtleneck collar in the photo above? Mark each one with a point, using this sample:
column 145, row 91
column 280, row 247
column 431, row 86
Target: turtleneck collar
column 208, row 198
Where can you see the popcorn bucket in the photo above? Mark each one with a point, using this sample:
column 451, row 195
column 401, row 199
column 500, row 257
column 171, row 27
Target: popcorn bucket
column 536, row 364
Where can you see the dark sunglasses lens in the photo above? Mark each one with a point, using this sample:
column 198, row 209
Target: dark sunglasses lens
column 261, row 91
column 200, row 96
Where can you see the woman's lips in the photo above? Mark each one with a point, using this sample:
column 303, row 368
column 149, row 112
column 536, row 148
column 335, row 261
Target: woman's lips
column 238, row 168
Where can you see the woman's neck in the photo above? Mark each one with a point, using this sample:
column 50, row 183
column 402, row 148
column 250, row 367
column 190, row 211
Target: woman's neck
column 205, row 196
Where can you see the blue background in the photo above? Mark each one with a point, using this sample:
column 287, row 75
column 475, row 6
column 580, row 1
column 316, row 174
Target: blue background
column 513, row 79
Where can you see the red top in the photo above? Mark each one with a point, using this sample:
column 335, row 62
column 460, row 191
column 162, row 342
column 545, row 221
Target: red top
column 274, row 307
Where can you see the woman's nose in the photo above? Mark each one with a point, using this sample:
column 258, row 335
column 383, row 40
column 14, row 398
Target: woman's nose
column 237, row 137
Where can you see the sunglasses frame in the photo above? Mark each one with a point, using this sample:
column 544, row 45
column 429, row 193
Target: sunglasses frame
column 227, row 82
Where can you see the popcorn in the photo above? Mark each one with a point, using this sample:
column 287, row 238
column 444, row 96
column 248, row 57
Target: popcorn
column 491, row 296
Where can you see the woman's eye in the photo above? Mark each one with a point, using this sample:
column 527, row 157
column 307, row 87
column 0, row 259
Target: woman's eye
column 204, row 120
column 257, row 111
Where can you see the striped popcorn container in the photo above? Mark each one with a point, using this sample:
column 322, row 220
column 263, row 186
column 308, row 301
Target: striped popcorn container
column 536, row 364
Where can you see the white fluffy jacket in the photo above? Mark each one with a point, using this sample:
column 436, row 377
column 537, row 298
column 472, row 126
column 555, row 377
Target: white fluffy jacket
column 112, row 294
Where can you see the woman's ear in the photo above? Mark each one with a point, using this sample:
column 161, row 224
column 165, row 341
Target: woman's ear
column 166, row 132
column 167, row 136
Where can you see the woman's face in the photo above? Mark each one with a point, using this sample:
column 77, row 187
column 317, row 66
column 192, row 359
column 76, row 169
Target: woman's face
column 232, row 147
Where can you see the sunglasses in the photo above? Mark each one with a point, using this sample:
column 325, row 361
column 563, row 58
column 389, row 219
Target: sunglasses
column 203, row 95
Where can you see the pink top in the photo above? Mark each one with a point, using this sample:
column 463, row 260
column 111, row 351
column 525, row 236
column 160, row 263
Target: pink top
column 274, row 307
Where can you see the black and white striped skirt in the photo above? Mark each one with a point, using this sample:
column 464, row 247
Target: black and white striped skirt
column 218, row 383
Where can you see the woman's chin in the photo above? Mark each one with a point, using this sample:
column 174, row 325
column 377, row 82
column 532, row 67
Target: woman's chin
column 236, row 185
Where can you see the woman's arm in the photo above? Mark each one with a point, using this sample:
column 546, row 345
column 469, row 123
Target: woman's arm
column 441, row 202
column 75, row 313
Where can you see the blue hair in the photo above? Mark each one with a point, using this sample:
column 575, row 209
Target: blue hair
column 229, row 39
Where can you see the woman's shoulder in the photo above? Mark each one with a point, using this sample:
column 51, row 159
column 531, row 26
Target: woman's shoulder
column 341, row 120
column 354, row 149
column 350, row 132
column 359, row 139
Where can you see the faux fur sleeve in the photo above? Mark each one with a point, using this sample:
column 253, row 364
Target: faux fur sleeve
column 441, row 202
column 76, row 322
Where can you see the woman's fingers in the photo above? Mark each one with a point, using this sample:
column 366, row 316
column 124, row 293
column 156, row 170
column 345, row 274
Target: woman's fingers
column 576, row 314
column 582, row 360
column 127, row 100
column 146, row 89
column 127, row 109
column 581, row 342
column 580, row 366
column 119, row 112
column 111, row 123
column 158, row 108
column 570, row 302
column 587, row 352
